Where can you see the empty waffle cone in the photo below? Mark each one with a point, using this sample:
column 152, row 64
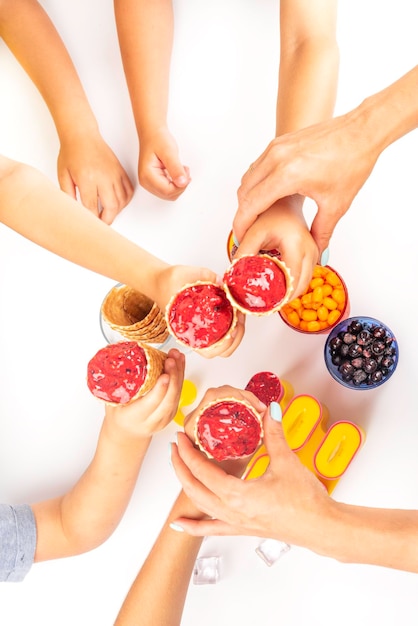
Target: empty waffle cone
column 133, row 315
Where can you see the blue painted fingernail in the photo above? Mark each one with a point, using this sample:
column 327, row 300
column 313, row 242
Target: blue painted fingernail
column 176, row 527
column 235, row 240
column 324, row 257
column 275, row 411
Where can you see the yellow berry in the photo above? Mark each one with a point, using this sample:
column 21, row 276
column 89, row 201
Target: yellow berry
column 314, row 326
column 330, row 304
column 333, row 317
column 293, row 318
column 309, row 315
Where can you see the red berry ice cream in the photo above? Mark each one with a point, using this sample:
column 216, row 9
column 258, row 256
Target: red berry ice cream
column 123, row 371
column 200, row 315
column 258, row 284
column 266, row 386
column 228, row 429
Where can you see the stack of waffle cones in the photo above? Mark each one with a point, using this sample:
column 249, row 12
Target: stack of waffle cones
column 134, row 316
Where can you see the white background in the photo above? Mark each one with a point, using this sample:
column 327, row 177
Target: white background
column 222, row 113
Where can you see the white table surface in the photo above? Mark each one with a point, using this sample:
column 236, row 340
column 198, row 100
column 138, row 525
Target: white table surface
column 222, row 114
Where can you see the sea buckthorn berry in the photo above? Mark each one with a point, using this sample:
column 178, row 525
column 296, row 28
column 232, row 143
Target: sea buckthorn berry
column 316, row 282
column 333, row 317
column 338, row 295
column 333, row 279
column 295, row 304
column 306, row 300
column 321, row 305
column 330, row 303
column 309, row 315
column 314, row 326
column 323, row 313
column 327, row 290
column 318, row 271
column 317, row 294
column 294, row 318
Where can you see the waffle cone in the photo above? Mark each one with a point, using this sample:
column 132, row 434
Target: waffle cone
column 155, row 367
column 183, row 343
column 279, row 305
column 213, row 403
column 133, row 315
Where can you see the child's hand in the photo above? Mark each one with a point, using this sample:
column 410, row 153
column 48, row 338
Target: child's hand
column 234, row 467
column 152, row 412
column 283, row 227
column 159, row 169
column 86, row 163
column 172, row 279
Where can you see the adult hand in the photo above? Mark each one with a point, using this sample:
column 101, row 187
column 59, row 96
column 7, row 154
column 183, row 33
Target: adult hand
column 286, row 503
column 86, row 163
column 235, row 467
column 328, row 162
column 160, row 170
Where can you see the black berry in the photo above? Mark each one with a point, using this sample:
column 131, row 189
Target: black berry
column 364, row 354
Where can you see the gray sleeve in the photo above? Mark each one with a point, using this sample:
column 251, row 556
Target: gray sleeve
column 17, row 541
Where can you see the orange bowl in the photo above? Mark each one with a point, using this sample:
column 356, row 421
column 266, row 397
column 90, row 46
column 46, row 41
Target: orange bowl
column 322, row 306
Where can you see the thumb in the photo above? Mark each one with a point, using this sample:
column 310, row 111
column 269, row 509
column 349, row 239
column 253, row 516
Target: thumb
column 178, row 173
column 251, row 243
column 274, row 439
column 323, row 226
column 66, row 183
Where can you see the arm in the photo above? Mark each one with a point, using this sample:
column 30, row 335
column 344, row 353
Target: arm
column 309, row 60
column 85, row 161
column 170, row 563
column 87, row 515
column 145, row 31
column 168, row 567
column 308, row 73
column 288, row 503
column 310, row 162
column 32, row 206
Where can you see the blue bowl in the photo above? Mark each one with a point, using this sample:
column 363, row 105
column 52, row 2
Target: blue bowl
column 361, row 353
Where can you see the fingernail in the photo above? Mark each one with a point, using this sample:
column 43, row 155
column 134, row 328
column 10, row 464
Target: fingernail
column 235, row 240
column 324, row 257
column 177, row 527
column 275, row 412
column 169, row 454
column 180, row 181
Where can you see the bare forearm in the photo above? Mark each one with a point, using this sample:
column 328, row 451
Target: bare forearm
column 145, row 31
column 309, row 60
column 88, row 514
column 32, row 206
column 384, row 537
column 34, row 41
column 389, row 114
column 168, row 566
